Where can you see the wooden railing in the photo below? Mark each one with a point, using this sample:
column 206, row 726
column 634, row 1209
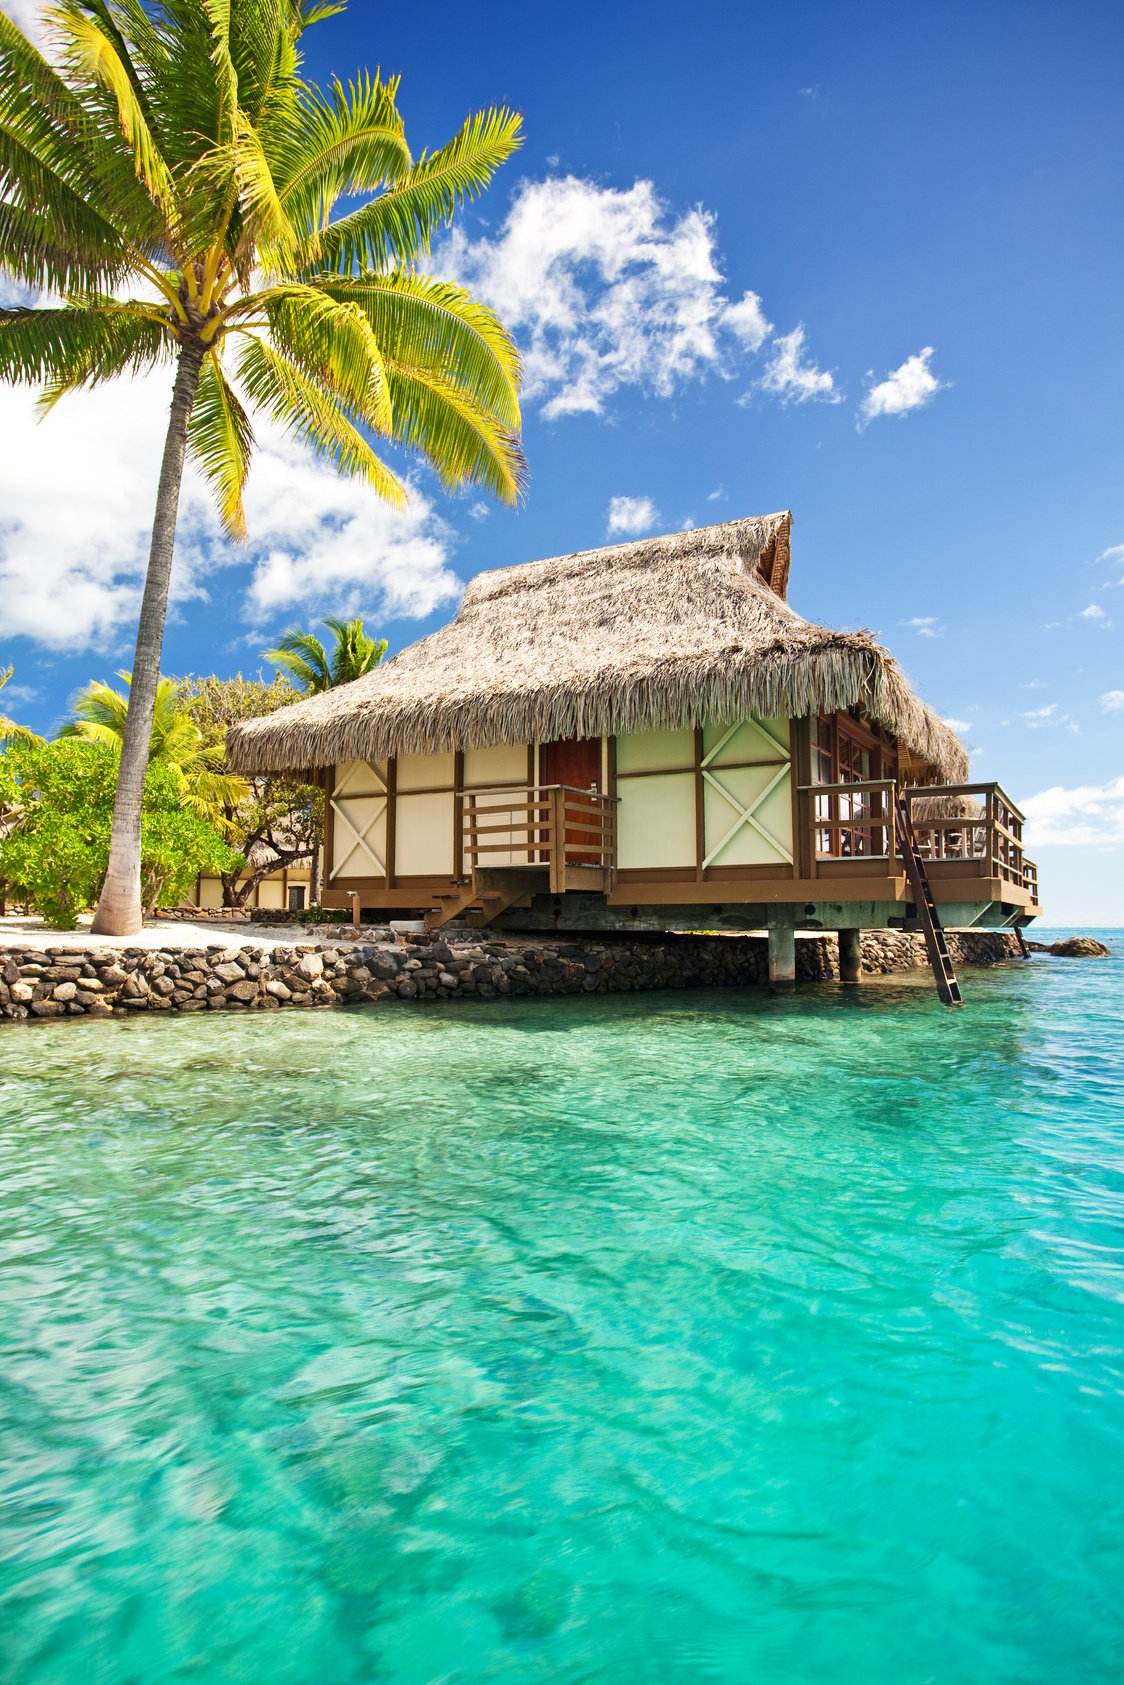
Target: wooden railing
column 550, row 825
column 849, row 821
column 852, row 819
column 993, row 837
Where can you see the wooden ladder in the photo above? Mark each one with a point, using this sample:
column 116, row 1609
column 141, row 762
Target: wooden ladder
column 936, row 944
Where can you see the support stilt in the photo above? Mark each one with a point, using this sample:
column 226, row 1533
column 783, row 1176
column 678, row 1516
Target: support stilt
column 850, row 956
column 782, row 957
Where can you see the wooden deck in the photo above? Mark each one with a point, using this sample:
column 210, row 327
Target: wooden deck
column 519, row 843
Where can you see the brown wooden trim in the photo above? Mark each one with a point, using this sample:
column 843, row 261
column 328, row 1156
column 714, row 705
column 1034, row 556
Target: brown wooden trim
column 458, row 811
column 431, row 790
column 803, row 819
column 700, row 804
column 660, row 772
column 331, row 779
column 391, row 818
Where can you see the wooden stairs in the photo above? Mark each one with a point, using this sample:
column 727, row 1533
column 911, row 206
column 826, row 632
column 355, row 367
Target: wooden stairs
column 492, row 892
column 936, row 944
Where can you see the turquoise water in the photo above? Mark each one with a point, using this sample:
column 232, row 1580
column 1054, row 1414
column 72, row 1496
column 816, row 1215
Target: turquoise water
column 673, row 1338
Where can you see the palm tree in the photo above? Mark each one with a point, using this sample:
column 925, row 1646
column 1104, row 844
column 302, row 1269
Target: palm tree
column 174, row 180
column 10, row 732
column 101, row 716
column 302, row 657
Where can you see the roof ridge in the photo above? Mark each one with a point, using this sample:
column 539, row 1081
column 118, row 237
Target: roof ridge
column 491, row 583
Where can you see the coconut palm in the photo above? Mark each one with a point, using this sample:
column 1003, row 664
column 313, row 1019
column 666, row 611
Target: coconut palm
column 101, row 716
column 302, row 657
column 174, row 180
column 10, row 732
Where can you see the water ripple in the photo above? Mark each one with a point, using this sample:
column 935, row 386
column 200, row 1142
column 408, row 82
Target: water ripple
column 665, row 1338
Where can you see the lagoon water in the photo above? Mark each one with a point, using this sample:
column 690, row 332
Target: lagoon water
column 662, row 1338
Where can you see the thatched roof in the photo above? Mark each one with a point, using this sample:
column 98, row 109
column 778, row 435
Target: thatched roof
column 672, row 631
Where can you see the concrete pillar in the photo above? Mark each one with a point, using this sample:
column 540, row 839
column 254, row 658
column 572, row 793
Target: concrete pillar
column 782, row 957
column 850, row 955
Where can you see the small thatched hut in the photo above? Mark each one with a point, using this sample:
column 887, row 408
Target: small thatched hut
column 621, row 735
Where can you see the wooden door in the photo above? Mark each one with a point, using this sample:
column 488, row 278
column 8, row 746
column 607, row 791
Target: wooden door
column 577, row 763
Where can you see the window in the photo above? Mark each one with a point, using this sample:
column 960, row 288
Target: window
column 296, row 898
column 844, row 753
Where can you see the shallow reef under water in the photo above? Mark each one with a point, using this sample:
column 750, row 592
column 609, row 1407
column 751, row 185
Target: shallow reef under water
column 669, row 1337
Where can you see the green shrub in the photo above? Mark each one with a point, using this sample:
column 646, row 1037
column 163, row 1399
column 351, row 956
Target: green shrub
column 59, row 801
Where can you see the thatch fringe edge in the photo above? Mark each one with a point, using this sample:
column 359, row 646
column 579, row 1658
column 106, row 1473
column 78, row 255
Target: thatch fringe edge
column 770, row 683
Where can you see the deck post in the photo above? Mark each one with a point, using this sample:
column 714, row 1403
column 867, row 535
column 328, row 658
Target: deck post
column 850, row 956
column 782, row 956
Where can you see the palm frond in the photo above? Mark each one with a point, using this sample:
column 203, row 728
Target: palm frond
column 221, row 439
column 398, row 227
column 333, row 341
column 98, row 714
column 302, row 407
column 11, row 732
column 303, row 658
column 354, row 652
column 80, row 344
column 93, row 57
column 352, row 140
column 438, row 325
column 464, row 443
column 265, row 221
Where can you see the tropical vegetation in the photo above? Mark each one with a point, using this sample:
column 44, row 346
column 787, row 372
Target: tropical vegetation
column 10, row 730
column 279, row 821
column 171, row 183
column 197, row 767
column 302, row 657
column 54, row 849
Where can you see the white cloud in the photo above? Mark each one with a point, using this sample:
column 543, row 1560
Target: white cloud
column 606, row 288
column 908, row 387
column 1114, row 553
column 30, row 17
column 716, row 496
column 1090, row 815
column 1040, row 719
column 925, row 625
column 791, row 378
column 957, row 725
column 323, row 544
column 480, row 510
column 1113, row 701
column 77, row 492
column 1093, row 612
column 632, row 515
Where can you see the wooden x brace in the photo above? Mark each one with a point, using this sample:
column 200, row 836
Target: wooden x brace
column 746, row 814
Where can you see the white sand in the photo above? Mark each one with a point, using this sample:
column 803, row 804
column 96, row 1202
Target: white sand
column 19, row 932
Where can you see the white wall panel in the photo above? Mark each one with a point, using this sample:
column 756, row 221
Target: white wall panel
column 423, row 835
column 655, row 751
column 425, row 772
column 506, row 764
column 656, row 821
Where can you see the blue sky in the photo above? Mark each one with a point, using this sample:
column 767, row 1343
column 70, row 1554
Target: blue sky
column 862, row 262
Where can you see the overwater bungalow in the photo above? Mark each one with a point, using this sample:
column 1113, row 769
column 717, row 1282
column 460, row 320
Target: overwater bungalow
column 647, row 736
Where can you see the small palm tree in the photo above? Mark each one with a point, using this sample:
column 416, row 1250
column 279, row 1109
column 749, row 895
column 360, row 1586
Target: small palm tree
column 302, row 657
column 10, row 732
column 174, row 181
column 101, row 715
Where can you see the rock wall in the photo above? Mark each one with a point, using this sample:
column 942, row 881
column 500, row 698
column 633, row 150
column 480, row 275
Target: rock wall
column 64, row 982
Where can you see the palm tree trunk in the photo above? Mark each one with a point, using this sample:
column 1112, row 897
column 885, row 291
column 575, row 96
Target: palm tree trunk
column 119, row 909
